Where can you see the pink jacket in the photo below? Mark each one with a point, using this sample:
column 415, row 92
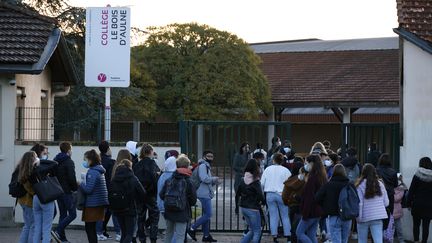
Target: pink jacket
column 399, row 192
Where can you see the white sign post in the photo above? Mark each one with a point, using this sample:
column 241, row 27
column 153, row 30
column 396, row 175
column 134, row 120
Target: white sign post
column 107, row 52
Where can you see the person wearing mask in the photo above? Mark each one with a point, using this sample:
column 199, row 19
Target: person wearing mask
column 334, row 158
column 43, row 213
column 272, row 181
column 24, row 170
column 373, row 155
column 107, row 163
column 170, row 168
column 276, row 145
column 240, row 160
column 373, row 202
column 125, row 180
column 177, row 220
column 310, row 210
column 205, row 193
column 41, row 151
column 250, row 198
column 147, row 172
column 94, row 187
column 327, row 197
column 66, row 204
column 420, row 198
column 388, row 175
column 351, row 165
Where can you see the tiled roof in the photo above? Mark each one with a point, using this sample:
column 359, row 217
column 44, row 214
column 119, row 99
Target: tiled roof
column 333, row 78
column 23, row 35
column 416, row 17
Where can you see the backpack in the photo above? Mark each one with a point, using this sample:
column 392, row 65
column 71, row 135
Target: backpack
column 348, row 203
column 16, row 189
column 119, row 196
column 195, row 179
column 175, row 195
column 353, row 173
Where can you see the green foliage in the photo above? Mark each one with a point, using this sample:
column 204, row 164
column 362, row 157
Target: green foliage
column 204, row 74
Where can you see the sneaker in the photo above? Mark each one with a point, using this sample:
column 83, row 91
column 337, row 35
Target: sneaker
column 118, row 237
column 102, row 237
column 208, row 239
column 56, row 236
column 275, row 240
column 354, row 236
column 107, row 235
column 191, row 234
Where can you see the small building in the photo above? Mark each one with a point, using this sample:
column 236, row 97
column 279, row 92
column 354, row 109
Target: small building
column 35, row 67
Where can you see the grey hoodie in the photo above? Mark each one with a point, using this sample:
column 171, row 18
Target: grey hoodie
column 206, row 190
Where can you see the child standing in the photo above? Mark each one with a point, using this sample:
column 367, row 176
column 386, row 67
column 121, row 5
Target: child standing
column 398, row 211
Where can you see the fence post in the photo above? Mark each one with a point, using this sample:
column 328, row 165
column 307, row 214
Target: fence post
column 136, row 130
column 99, row 126
column 200, row 140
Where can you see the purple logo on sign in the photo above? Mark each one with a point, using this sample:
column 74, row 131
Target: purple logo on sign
column 102, row 77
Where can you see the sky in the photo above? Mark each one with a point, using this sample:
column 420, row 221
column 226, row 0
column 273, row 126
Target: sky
column 267, row 20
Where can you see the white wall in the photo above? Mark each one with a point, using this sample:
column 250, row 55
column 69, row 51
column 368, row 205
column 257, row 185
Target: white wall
column 417, row 115
column 77, row 157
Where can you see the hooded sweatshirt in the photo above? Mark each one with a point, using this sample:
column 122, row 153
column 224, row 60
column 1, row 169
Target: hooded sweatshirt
column 95, row 187
column 66, row 172
column 249, row 194
column 205, row 190
column 170, row 167
column 131, row 147
column 420, row 193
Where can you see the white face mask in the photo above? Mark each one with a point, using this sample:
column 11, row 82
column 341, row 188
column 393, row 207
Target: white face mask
column 300, row 177
column 327, row 163
column 44, row 157
column 279, row 143
column 307, row 167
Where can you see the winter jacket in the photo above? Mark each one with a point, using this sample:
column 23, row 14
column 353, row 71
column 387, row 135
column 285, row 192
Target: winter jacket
column 350, row 162
column 389, row 177
column 249, row 193
column 66, row 172
column 328, row 195
column 372, row 208
column 420, row 193
column 292, row 191
column 135, row 190
column 239, row 164
column 372, row 157
column 191, row 198
column 44, row 169
column 27, row 199
column 108, row 163
column 146, row 170
column 205, row 190
column 95, row 188
column 398, row 196
column 161, row 182
column 309, row 207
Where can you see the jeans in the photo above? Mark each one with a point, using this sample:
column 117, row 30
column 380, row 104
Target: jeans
column 376, row 228
column 278, row 210
column 101, row 226
column 339, row 229
column 295, row 216
column 28, row 228
column 425, row 228
column 127, row 224
column 68, row 213
column 43, row 218
column 204, row 220
column 306, row 230
column 253, row 219
column 399, row 229
column 175, row 232
column 151, row 221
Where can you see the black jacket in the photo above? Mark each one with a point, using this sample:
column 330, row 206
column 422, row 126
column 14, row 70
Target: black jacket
column 107, row 163
column 135, row 190
column 66, row 173
column 372, row 157
column 44, row 169
column 328, row 195
column 191, row 197
column 249, row 196
column 389, row 177
column 420, row 194
column 350, row 162
column 146, row 170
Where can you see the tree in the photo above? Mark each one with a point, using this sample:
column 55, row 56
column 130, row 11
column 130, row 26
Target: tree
column 203, row 73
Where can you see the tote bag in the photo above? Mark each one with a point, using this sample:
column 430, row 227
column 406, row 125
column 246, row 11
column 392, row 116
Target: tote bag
column 48, row 189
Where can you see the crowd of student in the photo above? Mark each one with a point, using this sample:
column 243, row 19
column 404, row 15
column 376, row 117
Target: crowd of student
column 322, row 192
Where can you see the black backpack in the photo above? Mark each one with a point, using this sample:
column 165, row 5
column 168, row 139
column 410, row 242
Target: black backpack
column 175, row 195
column 349, row 207
column 16, row 189
column 119, row 196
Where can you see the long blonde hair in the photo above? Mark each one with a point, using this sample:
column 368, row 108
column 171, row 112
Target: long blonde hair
column 122, row 155
column 320, row 146
column 25, row 166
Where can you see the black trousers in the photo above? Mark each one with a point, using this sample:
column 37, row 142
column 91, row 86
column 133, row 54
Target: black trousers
column 425, row 228
column 90, row 228
column 127, row 225
column 106, row 220
column 148, row 216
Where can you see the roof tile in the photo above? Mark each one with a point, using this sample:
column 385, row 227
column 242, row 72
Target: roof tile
column 416, row 17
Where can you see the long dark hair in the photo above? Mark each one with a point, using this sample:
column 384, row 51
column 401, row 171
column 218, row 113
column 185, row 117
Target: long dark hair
column 384, row 160
column 274, row 147
column 242, row 147
column 252, row 167
column 372, row 183
column 93, row 157
column 25, row 166
column 318, row 171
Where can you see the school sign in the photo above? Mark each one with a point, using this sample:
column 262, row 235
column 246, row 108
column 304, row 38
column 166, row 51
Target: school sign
column 107, row 50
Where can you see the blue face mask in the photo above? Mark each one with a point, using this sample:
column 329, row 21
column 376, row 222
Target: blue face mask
column 85, row 164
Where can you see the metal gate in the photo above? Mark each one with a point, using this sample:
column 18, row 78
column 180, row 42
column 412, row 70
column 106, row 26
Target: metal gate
column 224, row 139
column 385, row 135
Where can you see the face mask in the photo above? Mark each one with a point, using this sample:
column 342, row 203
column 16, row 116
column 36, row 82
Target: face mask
column 85, row 164
column 327, row 163
column 209, row 160
column 300, row 177
column 44, row 157
column 307, row 167
column 278, row 143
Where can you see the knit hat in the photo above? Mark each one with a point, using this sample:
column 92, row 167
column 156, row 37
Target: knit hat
column 170, row 164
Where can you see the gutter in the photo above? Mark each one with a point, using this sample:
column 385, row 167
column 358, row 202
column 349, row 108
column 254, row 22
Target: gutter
column 416, row 40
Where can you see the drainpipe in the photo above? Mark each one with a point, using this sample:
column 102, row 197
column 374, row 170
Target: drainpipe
column 62, row 93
